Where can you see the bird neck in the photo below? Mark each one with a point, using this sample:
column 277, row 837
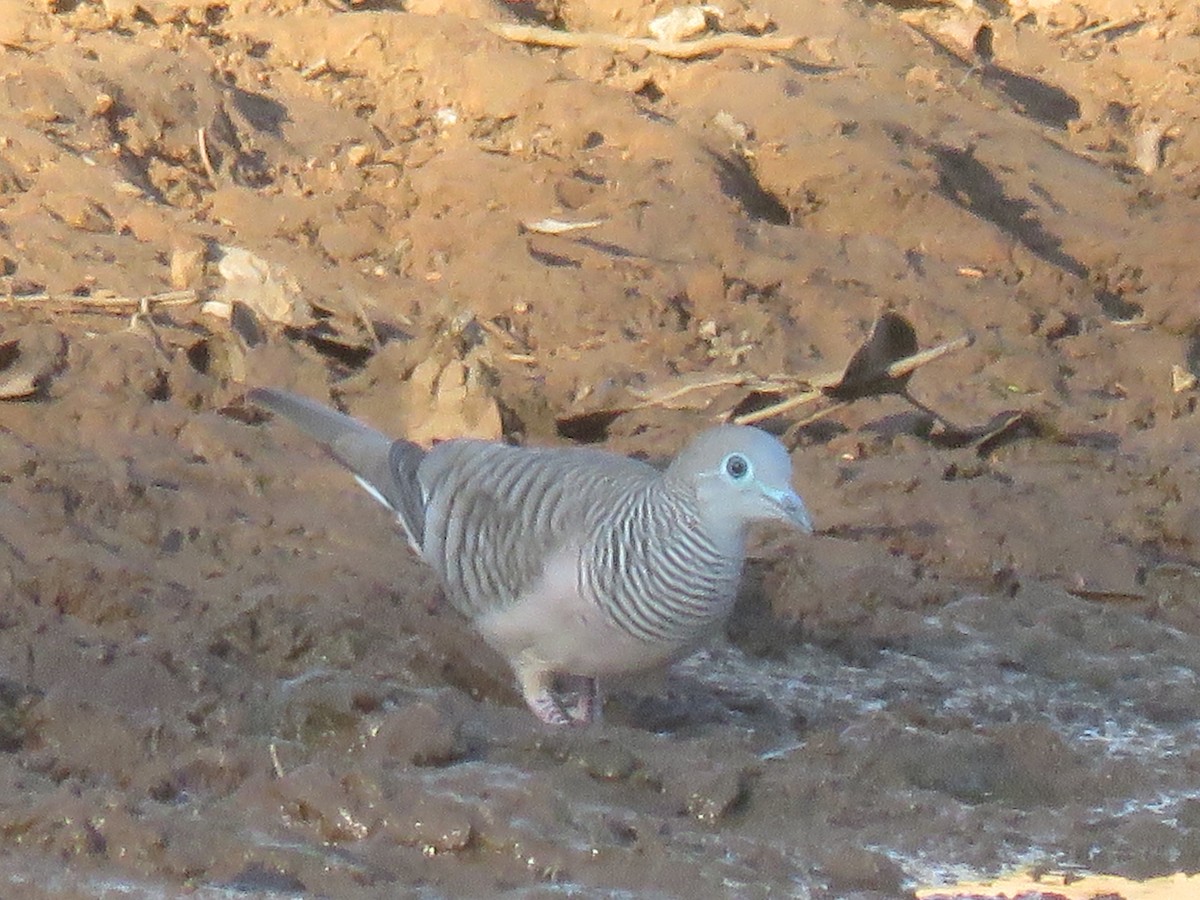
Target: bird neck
column 711, row 523
column 707, row 517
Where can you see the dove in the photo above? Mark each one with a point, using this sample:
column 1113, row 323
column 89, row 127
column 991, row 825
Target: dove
column 574, row 563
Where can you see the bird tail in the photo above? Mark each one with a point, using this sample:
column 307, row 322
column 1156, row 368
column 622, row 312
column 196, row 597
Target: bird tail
column 386, row 469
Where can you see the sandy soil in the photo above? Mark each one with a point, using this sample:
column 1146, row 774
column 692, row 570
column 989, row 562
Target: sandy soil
column 220, row 670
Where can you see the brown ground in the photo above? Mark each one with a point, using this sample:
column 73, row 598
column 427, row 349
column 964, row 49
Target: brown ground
column 222, row 672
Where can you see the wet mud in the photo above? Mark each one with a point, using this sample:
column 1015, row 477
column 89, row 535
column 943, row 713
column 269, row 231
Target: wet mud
column 221, row 671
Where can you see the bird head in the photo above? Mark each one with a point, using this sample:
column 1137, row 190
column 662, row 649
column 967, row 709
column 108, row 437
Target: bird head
column 743, row 475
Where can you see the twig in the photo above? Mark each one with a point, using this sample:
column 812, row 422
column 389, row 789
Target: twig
column 116, row 304
column 202, row 140
column 896, row 370
column 902, row 367
column 552, row 37
column 1099, row 29
column 142, row 311
column 363, row 319
column 142, row 317
column 663, row 395
column 320, row 67
column 778, row 409
column 789, row 436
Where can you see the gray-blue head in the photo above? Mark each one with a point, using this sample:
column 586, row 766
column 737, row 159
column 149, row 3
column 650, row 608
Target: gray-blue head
column 742, row 474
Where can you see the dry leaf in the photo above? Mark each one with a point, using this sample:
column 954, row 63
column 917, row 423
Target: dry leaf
column 892, row 338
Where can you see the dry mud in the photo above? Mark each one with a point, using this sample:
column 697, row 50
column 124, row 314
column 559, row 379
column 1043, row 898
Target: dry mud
column 224, row 675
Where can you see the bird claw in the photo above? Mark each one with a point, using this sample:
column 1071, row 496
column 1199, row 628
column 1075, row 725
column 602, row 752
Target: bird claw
column 584, row 709
column 547, row 708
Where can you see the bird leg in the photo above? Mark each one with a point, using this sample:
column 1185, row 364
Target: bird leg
column 537, row 687
column 541, row 690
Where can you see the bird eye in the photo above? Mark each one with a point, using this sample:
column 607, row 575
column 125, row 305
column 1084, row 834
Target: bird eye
column 737, row 466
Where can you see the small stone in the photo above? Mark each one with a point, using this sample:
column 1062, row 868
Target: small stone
column 714, row 795
column 344, row 241
column 360, row 155
column 1058, row 324
column 102, row 104
column 187, row 263
column 680, row 23
column 606, row 761
column 266, row 288
column 757, row 21
column 1148, row 146
column 706, row 290
column 435, row 824
column 217, row 308
column 850, row 868
column 417, row 734
column 120, row 10
column 313, row 795
column 82, row 213
column 31, row 357
column 1174, row 588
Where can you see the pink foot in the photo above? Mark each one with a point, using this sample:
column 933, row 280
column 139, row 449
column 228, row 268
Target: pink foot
column 547, row 708
column 586, row 708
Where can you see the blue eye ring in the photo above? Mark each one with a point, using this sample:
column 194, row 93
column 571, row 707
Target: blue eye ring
column 736, row 466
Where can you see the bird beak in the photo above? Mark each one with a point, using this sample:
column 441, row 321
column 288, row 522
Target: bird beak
column 792, row 509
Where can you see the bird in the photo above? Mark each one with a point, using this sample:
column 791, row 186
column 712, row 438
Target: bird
column 574, row 563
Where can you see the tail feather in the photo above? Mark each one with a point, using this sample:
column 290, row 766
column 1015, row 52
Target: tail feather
column 387, row 469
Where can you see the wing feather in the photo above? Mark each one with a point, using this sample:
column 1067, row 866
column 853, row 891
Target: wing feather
column 495, row 515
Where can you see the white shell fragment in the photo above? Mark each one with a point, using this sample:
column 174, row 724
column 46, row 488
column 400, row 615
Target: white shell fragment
column 217, row 308
column 1148, row 146
column 559, row 226
column 31, row 356
column 732, row 127
column 683, row 22
column 445, row 117
column 268, row 290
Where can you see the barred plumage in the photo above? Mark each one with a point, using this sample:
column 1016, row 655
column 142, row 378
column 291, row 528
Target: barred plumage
column 659, row 582
column 573, row 563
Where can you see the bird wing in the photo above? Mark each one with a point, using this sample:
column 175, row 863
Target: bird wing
column 496, row 515
column 387, row 469
column 487, row 517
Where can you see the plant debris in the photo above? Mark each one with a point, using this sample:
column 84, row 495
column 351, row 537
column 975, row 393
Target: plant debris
column 689, row 49
column 881, row 365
